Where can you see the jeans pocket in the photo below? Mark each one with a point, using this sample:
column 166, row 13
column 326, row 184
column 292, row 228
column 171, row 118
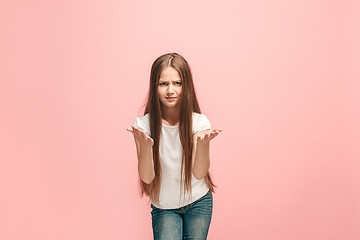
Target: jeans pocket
column 204, row 205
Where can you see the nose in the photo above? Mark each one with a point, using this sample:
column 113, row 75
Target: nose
column 170, row 89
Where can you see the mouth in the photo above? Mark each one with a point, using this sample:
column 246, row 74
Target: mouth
column 170, row 98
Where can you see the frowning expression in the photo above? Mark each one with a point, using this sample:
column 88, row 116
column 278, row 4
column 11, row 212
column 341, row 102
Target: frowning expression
column 170, row 88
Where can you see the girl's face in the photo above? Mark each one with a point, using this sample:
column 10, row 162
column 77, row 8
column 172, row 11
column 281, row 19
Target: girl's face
column 170, row 88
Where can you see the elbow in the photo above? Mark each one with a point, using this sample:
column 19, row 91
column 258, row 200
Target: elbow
column 146, row 174
column 199, row 176
column 200, row 172
column 148, row 179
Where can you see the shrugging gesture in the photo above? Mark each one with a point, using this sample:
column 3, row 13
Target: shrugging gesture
column 144, row 145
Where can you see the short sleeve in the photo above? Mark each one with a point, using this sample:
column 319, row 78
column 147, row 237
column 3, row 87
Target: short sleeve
column 138, row 123
column 201, row 123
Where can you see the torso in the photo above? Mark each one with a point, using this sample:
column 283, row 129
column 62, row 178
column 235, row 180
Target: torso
column 170, row 156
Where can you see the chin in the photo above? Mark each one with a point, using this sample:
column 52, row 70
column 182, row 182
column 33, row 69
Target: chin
column 171, row 105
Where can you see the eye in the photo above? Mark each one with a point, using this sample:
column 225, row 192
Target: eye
column 178, row 83
column 162, row 83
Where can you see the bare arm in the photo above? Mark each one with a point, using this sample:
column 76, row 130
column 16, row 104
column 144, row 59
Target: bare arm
column 144, row 154
column 201, row 152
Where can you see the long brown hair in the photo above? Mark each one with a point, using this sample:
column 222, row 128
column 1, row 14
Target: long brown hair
column 189, row 104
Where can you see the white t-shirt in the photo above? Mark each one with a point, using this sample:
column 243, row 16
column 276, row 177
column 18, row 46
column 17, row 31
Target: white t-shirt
column 170, row 151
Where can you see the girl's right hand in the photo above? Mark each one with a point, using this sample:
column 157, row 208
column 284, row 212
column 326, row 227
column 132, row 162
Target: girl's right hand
column 141, row 137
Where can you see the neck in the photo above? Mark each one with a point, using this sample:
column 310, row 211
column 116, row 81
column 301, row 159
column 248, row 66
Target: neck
column 171, row 115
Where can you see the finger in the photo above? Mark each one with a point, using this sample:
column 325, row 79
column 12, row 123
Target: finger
column 137, row 130
column 142, row 133
column 134, row 128
column 132, row 132
column 213, row 137
column 217, row 130
column 137, row 133
column 206, row 137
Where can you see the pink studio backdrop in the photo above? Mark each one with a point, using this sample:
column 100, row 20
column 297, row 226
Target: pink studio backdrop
column 280, row 77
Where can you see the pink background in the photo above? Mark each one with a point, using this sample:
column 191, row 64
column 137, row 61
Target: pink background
column 280, row 77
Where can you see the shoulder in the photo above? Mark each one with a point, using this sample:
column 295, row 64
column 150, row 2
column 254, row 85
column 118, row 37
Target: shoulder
column 200, row 122
column 144, row 119
column 196, row 117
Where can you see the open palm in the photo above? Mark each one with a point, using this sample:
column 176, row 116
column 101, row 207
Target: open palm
column 207, row 136
column 141, row 136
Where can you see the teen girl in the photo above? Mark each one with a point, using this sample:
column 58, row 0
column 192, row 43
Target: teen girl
column 172, row 142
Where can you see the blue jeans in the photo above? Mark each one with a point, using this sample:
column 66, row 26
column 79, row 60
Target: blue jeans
column 189, row 222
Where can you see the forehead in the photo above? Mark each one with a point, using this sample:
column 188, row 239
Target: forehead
column 169, row 74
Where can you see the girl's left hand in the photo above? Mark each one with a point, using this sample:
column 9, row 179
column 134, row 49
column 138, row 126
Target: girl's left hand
column 208, row 135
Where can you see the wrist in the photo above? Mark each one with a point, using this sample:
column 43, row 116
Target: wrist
column 203, row 144
column 146, row 146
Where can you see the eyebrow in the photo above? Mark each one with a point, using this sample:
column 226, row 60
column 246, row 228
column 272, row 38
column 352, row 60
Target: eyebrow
column 179, row 80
